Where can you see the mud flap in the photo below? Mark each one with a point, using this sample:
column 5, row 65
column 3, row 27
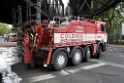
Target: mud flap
column 27, row 55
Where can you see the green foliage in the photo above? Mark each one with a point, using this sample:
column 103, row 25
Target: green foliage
column 120, row 41
column 14, row 30
column 4, row 29
column 114, row 16
column 102, row 2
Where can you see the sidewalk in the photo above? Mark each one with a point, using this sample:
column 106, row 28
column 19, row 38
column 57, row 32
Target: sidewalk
column 115, row 46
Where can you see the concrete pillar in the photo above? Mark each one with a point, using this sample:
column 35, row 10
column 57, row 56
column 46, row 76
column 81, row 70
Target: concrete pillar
column 38, row 15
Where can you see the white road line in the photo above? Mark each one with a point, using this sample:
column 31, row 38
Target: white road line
column 110, row 50
column 116, row 65
column 110, row 63
column 74, row 70
column 93, row 66
column 66, row 72
column 86, row 67
column 41, row 77
column 63, row 72
column 122, row 55
column 45, row 77
column 96, row 60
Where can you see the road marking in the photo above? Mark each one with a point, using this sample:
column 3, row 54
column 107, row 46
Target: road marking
column 86, row 67
column 74, row 70
column 63, row 72
column 110, row 50
column 93, row 66
column 109, row 63
column 116, row 65
column 67, row 72
column 41, row 77
column 122, row 55
column 45, row 77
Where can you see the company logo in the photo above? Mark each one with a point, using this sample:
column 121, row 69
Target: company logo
column 71, row 37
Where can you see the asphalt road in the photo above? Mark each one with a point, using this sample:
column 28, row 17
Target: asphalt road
column 108, row 69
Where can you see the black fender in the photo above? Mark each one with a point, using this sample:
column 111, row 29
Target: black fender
column 57, row 50
column 103, row 46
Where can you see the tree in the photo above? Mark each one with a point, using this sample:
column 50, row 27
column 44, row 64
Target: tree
column 14, row 30
column 4, row 29
column 113, row 17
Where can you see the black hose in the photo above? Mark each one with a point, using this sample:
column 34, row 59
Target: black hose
column 0, row 78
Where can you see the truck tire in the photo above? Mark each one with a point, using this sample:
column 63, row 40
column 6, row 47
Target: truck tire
column 60, row 60
column 76, row 56
column 87, row 54
column 98, row 54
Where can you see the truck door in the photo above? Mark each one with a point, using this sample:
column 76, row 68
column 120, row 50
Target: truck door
column 90, row 32
column 101, row 33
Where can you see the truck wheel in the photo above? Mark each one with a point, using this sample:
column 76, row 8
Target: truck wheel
column 76, row 56
column 98, row 54
column 87, row 54
column 60, row 60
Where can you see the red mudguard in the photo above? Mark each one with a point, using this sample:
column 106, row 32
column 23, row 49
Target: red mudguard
column 27, row 53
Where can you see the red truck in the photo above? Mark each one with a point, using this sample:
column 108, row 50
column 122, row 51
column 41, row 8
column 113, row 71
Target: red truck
column 56, row 44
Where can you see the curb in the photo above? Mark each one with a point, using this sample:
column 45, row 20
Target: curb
column 116, row 46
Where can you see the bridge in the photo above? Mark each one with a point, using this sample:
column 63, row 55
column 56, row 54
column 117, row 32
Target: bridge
column 19, row 11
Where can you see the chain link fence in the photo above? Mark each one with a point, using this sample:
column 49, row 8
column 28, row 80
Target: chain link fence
column 114, row 36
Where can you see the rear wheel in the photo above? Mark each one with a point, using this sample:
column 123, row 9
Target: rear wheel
column 87, row 54
column 76, row 56
column 60, row 60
